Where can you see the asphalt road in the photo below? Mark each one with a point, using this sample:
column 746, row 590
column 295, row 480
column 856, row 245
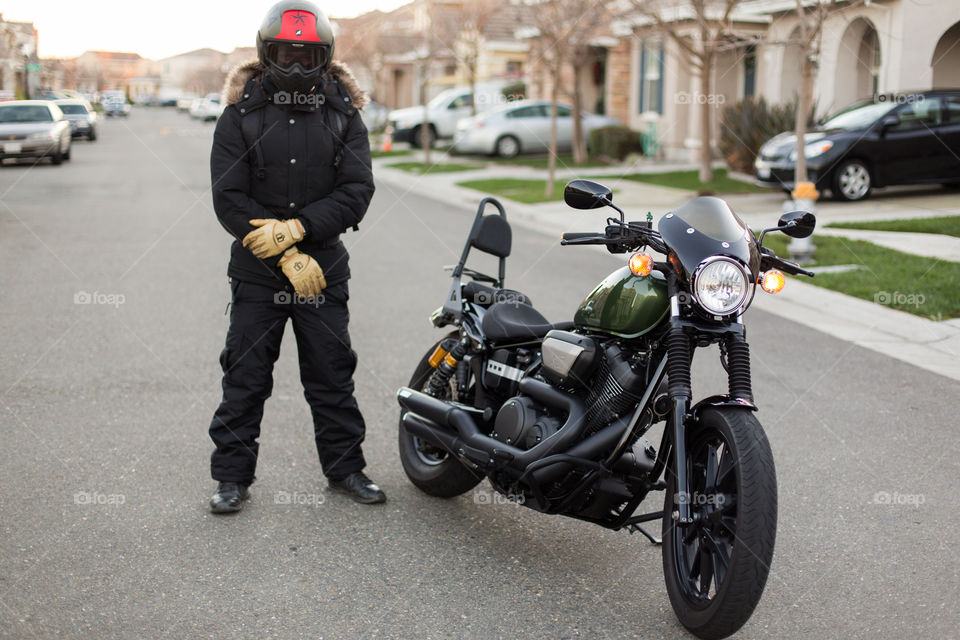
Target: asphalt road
column 104, row 475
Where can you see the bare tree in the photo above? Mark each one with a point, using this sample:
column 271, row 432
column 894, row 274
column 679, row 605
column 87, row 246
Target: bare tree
column 714, row 31
column 473, row 17
column 564, row 30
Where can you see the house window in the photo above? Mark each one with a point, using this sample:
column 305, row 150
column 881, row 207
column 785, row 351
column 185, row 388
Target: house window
column 651, row 76
column 514, row 68
column 750, row 71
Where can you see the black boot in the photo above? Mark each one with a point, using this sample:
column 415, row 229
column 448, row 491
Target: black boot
column 360, row 488
column 229, row 497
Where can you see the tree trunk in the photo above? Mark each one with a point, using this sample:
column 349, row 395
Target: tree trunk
column 706, row 108
column 552, row 160
column 804, row 104
column 579, row 146
column 425, row 125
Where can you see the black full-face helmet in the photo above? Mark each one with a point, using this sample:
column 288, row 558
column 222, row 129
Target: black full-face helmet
column 295, row 45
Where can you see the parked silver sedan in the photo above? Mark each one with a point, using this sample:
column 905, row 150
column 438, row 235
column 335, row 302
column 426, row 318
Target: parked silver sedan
column 81, row 116
column 521, row 127
column 34, row 128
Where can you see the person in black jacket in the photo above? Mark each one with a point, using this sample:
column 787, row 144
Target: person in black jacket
column 290, row 169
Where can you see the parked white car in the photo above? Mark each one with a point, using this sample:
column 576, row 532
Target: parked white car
column 443, row 113
column 206, row 108
column 522, row 127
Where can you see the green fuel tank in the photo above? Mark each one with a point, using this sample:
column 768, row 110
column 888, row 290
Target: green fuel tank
column 624, row 305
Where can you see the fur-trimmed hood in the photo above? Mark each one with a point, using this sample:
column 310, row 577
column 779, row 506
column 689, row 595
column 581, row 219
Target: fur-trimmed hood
column 337, row 72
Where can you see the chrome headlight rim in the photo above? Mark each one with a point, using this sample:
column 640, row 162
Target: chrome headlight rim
column 746, row 284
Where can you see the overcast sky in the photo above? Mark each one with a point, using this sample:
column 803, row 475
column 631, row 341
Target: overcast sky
column 157, row 28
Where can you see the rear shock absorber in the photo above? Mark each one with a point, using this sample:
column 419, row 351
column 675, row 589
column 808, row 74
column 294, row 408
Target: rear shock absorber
column 738, row 367
column 440, row 380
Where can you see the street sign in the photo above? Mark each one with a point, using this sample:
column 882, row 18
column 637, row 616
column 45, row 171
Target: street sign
column 33, row 67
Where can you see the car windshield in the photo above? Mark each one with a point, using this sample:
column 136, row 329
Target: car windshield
column 25, row 113
column 441, row 99
column 73, row 109
column 858, row 117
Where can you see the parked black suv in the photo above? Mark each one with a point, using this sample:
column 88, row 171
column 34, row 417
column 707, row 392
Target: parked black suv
column 908, row 138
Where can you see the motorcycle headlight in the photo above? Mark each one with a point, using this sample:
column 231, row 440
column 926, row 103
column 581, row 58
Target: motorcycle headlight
column 720, row 285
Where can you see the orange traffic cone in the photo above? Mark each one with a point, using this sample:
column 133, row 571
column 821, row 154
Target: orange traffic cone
column 387, row 142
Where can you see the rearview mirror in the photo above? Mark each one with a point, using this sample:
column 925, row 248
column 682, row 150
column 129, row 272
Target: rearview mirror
column 797, row 224
column 889, row 121
column 586, row 194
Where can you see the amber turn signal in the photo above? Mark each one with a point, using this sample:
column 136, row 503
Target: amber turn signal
column 641, row 264
column 773, row 281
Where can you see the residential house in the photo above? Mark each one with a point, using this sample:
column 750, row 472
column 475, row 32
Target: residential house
column 18, row 49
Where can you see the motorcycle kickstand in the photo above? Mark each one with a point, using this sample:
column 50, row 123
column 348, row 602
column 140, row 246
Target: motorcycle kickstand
column 635, row 527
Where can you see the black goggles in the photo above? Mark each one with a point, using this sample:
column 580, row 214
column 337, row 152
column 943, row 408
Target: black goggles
column 287, row 55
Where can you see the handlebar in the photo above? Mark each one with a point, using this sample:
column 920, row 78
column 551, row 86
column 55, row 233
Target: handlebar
column 583, row 238
column 769, row 260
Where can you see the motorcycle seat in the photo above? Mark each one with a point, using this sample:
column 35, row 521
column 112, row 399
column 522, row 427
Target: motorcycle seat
column 485, row 296
column 511, row 321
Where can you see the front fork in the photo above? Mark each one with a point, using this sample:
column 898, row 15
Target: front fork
column 681, row 392
column 736, row 361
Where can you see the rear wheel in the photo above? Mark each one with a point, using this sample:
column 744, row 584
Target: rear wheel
column 432, row 469
column 418, row 137
column 716, row 568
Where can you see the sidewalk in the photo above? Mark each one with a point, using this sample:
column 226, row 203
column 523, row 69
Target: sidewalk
column 934, row 346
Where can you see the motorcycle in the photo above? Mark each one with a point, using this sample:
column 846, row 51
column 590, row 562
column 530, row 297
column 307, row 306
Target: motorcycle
column 555, row 415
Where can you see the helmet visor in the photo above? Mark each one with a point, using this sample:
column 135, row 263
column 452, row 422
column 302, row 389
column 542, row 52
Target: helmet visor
column 286, row 56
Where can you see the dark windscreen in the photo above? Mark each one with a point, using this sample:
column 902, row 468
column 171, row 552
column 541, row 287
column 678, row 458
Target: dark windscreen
column 25, row 113
column 73, row 109
column 713, row 218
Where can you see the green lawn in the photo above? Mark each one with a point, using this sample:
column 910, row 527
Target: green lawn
column 420, row 168
column 922, row 286
column 376, row 153
column 540, row 161
column 690, row 181
column 946, row 225
column 520, row 190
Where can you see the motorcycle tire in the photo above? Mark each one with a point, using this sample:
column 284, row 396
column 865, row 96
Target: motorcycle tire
column 430, row 469
column 715, row 569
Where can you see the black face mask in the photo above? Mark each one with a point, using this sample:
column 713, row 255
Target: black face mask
column 296, row 67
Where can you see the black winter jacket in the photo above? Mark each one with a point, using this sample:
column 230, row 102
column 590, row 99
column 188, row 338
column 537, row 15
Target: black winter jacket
column 283, row 158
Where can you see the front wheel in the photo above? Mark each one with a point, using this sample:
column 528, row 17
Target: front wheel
column 507, row 147
column 716, row 568
column 852, row 181
column 432, row 469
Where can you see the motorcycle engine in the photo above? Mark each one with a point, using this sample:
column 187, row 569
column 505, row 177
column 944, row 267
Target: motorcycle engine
column 618, row 386
column 523, row 424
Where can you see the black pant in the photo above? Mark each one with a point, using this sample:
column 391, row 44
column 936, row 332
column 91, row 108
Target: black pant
column 257, row 320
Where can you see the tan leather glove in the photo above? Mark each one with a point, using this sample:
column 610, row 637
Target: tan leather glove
column 303, row 272
column 273, row 237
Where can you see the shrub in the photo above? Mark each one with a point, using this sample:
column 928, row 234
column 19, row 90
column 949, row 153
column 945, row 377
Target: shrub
column 516, row 91
column 746, row 125
column 615, row 141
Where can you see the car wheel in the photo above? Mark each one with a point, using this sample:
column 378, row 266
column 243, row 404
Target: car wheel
column 66, row 156
column 852, row 181
column 57, row 158
column 417, row 140
column 507, row 147
column 92, row 135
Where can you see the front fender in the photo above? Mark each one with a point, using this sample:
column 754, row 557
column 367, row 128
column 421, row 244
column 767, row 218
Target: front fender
column 721, row 401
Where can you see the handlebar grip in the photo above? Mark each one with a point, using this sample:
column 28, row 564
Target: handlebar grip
column 577, row 235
